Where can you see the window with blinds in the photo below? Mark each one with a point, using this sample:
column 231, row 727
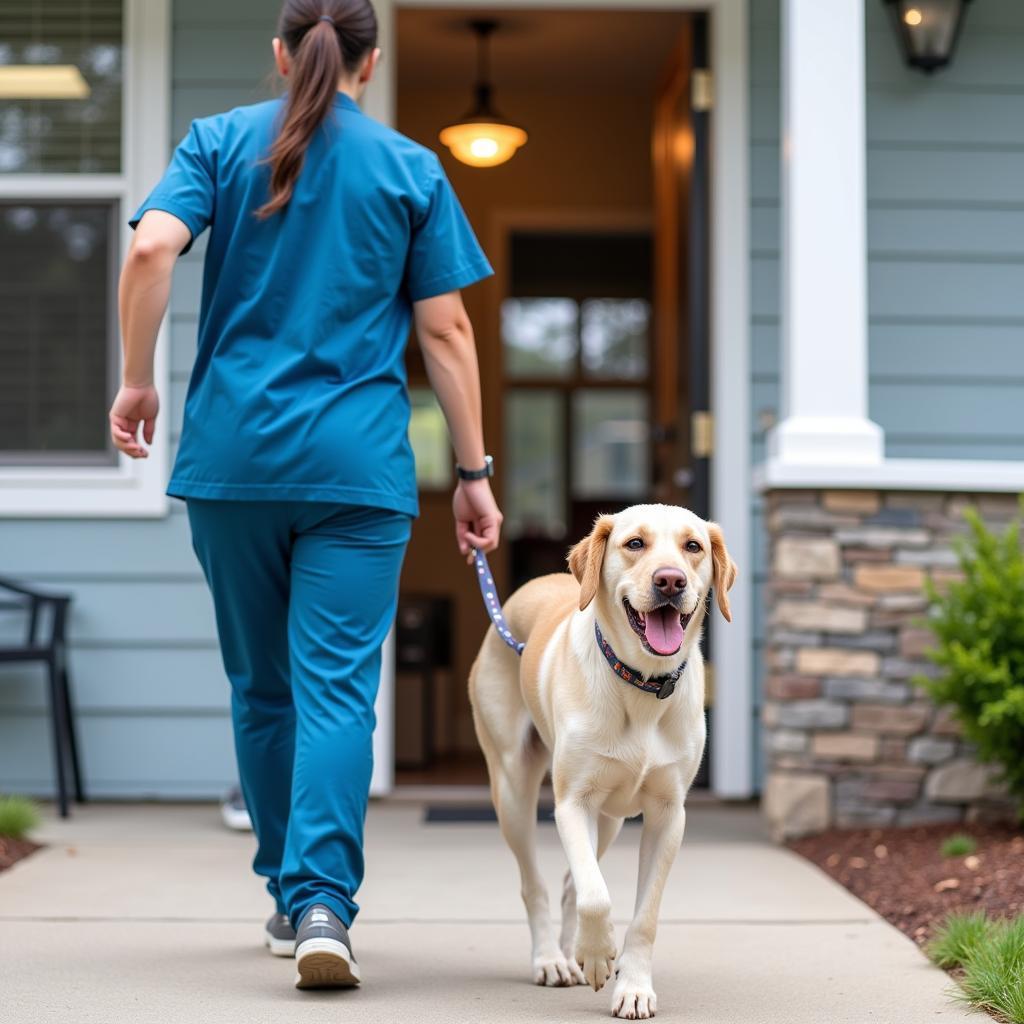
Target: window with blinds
column 60, row 86
column 60, row 118
column 56, row 331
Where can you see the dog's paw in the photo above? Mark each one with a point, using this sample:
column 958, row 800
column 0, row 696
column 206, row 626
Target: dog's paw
column 556, row 970
column 632, row 1000
column 595, row 954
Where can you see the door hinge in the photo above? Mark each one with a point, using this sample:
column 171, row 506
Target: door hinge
column 702, row 434
column 702, row 89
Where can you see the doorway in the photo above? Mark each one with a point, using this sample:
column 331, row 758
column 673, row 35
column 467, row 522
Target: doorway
column 587, row 336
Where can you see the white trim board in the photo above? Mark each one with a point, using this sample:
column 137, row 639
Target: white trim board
column 130, row 488
column 732, row 729
column 957, row 475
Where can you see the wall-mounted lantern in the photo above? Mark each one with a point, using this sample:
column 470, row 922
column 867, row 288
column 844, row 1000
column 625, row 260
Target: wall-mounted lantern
column 927, row 30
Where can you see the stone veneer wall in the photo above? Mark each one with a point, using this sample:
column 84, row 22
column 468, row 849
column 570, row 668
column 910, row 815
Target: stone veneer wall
column 849, row 740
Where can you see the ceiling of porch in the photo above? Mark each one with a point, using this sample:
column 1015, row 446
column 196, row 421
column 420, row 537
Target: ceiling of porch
column 535, row 48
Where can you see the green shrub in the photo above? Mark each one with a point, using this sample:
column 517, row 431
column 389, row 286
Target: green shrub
column 18, row 816
column 979, row 625
column 958, row 845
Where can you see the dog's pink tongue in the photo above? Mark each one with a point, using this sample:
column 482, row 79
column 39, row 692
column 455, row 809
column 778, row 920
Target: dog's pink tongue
column 663, row 630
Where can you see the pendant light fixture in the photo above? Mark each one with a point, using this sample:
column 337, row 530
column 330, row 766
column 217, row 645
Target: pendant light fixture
column 483, row 138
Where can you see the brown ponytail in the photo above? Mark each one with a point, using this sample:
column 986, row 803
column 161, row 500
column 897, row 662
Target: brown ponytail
column 324, row 38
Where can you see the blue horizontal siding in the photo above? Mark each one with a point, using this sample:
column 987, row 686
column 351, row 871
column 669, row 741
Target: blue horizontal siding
column 895, row 229
column 223, row 20
column 949, row 353
column 144, row 547
column 122, row 608
column 141, row 756
column 912, row 115
column 918, row 290
column 916, row 178
column 110, row 680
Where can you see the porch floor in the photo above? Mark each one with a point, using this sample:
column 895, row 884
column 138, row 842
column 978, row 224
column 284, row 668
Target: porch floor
column 149, row 913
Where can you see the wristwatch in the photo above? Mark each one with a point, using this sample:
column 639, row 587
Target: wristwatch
column 476, row 474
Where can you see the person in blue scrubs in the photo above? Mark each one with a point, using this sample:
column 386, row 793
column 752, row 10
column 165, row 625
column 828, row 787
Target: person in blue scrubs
column 329, row 234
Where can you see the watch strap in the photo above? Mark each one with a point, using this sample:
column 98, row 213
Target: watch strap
column 476, row 474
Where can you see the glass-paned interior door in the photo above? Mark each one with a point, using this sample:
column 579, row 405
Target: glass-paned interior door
column 576, row 338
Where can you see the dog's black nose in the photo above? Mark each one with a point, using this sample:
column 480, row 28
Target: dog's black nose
column 669, row 581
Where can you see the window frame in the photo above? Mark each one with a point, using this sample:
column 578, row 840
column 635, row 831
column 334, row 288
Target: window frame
column 129, row 487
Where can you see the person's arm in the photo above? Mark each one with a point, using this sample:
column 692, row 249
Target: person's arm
column 143, row 293
column 449, row 351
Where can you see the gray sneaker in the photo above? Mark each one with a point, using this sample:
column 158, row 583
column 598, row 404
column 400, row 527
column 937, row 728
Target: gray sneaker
column 279, row 935
column 323, row 952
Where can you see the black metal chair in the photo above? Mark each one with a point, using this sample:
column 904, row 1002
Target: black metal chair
column 45, row 643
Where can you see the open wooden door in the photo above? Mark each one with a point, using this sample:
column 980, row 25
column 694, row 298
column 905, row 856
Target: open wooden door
column 682, row 423
column 682, row 426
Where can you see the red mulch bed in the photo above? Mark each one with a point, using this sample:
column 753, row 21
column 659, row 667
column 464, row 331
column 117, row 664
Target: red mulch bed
column 900, row 872
column 12, row 850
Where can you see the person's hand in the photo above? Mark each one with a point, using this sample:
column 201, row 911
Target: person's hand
column 134, row 407
column 477, row 517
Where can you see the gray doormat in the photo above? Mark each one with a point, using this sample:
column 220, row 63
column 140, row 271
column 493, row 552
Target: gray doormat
column 455, row 814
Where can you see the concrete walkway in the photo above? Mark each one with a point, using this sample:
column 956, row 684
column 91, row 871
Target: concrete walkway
column 149, row 913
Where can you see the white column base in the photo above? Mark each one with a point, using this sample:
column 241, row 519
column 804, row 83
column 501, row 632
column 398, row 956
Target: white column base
column 827, row 440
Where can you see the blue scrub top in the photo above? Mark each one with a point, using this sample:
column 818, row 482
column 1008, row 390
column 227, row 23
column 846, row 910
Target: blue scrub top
column 298, row 391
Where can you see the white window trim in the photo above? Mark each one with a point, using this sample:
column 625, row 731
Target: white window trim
column 130, row 488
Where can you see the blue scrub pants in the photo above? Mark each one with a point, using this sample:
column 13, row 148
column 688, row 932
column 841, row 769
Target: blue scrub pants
column 304, row 593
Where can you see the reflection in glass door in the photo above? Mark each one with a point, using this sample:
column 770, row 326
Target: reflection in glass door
column 576, row 336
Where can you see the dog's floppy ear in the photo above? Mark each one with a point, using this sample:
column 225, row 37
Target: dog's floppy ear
column 725, row 570
column 586, row 557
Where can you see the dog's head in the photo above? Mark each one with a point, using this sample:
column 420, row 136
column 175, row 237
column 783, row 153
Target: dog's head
column 651, row 567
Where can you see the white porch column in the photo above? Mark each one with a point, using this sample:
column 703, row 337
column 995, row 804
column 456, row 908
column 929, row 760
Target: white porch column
column 824, row 366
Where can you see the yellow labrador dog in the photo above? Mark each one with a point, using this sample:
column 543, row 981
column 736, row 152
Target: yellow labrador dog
column 610, row 694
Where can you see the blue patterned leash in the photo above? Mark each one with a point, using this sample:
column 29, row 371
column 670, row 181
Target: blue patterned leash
column 490, row 595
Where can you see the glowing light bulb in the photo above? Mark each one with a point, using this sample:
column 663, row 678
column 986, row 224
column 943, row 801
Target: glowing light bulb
column 483, row 149
column 913, row 17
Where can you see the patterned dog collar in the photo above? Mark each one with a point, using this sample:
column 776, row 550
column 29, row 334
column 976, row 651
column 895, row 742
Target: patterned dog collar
column 663, row 686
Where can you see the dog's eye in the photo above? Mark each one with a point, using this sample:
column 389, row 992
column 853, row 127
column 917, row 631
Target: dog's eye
column 692, row 545
column 636, row 544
